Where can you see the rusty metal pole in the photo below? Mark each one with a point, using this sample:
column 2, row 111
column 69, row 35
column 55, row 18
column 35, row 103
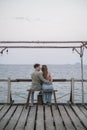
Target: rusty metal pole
column 72, row 91
column 81, row 56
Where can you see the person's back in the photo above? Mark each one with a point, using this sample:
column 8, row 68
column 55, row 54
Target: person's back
column 36, row 82
column 47, row 75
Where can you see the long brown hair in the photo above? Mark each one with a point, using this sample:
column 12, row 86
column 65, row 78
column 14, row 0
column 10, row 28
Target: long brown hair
column 45, row 71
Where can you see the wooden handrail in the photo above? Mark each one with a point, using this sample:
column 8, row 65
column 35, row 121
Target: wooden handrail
column 54, row 80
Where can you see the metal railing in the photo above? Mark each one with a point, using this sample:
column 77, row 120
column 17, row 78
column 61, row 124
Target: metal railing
column 71, row 81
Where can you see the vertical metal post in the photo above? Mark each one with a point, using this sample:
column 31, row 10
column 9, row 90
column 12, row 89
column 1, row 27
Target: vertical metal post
column 72, row 91
column 81, row 55
column 9, row 91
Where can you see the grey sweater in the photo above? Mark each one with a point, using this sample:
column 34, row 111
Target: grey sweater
column 38, row 80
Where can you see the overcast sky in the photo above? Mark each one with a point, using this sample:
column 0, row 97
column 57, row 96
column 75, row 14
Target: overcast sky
column 43, row 20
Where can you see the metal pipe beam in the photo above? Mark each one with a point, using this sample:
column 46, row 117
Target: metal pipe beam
column 39, row 46
column 45, row 44
column 43, row 41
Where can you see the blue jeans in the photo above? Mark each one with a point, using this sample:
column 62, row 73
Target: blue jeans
column 47, row 96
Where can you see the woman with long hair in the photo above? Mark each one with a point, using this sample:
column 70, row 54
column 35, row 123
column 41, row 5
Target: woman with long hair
column 47, row 75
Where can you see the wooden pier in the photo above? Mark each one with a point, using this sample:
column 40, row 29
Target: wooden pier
column 43, row 117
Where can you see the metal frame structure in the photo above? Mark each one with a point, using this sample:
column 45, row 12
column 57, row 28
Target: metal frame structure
column 42, row 44
column 77, row 46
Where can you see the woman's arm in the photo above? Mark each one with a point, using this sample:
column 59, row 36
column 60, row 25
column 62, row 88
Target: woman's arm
column 44, row 80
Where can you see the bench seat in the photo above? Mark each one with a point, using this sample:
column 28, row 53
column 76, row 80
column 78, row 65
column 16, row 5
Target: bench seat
column 42, row 91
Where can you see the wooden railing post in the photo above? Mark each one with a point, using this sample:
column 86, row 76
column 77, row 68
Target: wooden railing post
column 72, row 91
column 9, row 98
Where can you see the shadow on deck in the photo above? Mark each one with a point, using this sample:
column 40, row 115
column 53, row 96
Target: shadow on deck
column 39, row 117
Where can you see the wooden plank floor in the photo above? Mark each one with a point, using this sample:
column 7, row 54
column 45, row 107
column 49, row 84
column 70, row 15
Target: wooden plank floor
column 43, row 117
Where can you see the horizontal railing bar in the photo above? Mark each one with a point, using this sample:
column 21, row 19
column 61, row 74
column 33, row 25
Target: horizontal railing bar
column 6, row 46
column 54, row 80
column 43, row 41
column 13, row 44
column 3, row 80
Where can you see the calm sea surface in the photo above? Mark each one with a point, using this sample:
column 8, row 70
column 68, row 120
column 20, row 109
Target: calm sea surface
column 19, row 93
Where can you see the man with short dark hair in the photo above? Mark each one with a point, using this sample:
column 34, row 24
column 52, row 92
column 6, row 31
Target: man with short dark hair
column 37, row 80
column 36, row 65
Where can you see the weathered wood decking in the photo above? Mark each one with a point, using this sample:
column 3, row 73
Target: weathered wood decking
column 65, row 117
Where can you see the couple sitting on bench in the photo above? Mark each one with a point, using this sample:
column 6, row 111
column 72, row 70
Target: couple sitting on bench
column 41, row 80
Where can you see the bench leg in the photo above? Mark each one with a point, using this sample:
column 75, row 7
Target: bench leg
column 28, row 99
column 55, row 99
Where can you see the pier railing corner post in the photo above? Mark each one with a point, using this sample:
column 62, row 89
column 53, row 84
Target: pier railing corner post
column 9, row 96
column 82, row 76
column 72, row 91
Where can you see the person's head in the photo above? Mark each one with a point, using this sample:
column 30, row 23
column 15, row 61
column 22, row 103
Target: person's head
column 45, row 71
column 37, row 67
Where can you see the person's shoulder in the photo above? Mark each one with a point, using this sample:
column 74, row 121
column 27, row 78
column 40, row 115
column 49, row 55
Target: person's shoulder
column 37, row 73
column 49, row 74
column 32, row 73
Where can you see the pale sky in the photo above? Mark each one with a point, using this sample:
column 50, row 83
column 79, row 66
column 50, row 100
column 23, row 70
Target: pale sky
column 42, row 20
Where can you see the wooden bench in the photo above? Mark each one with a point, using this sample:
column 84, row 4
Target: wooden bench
column 41, row 91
